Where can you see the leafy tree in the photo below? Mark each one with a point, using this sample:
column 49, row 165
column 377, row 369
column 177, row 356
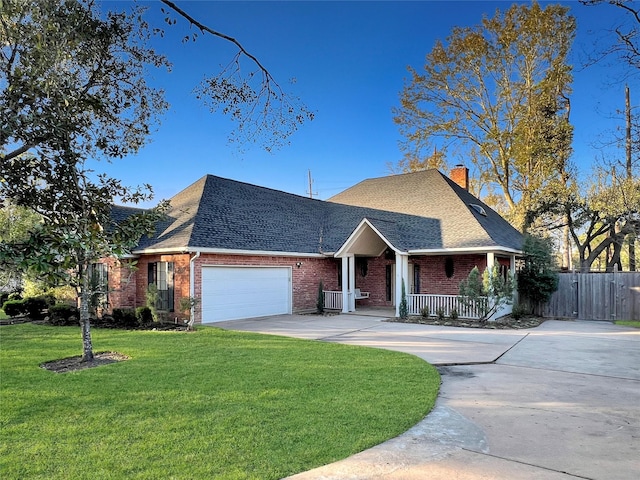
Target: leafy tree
column 488, row 292
column 538, row 278
column 74, row 93
column 73, row 88
column 499, row 92
column 15, row 224
column 599, row 218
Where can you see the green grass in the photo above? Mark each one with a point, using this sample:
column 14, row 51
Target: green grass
column 628, row 323
column 212, row 404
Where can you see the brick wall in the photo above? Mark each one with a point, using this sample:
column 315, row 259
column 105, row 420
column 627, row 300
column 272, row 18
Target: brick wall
column 180, row 279
column 433, row 275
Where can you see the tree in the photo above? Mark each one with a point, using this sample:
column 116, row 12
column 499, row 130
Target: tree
column 627, row 34
column 15, row 224
column 403, row 309
column 73, row 88
column 412, row 163
column 600, row 218
column 488, row 292
column 538, row 278
column 252, row 98
column 493, row 90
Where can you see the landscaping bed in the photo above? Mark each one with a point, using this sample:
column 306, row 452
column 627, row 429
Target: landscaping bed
column 507, row 322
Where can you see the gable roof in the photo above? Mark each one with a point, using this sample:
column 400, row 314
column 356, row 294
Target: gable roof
column 431, row 194
column 222, row 215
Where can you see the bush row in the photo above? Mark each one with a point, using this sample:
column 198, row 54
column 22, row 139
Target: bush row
column 130, row 318
column 34, row 307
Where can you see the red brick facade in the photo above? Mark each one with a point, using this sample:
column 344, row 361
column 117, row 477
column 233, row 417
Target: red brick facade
column 128, row 286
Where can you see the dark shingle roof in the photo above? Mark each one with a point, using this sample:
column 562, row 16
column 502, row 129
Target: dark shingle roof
column 431, row 194
column 218, row 213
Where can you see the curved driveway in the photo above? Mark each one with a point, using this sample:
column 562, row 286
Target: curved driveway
column 561, row 401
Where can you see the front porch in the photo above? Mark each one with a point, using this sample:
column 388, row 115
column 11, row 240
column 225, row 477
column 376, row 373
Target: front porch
column 429, row 279
column 416, row 304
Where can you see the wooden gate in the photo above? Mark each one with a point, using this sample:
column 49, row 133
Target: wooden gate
column 596, row 296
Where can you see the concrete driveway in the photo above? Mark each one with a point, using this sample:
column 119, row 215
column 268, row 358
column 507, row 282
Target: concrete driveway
column 561, row 401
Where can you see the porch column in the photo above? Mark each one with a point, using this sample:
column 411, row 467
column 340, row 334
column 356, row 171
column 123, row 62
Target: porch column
column 402, row 275
column 352, row 283
column 512, row 269
column 491, row 259
column 345, row 285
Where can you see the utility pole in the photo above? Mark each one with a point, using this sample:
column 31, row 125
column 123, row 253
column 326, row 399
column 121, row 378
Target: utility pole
column 310, row 192
column 632, row 236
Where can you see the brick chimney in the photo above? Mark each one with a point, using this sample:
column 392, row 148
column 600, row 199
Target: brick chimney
column 460, row 175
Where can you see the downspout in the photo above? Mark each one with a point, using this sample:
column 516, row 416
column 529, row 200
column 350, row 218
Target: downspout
column 192, row 285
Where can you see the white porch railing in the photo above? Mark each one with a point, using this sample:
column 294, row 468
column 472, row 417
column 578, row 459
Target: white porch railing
column 332, row 300
column 415, row 304
column 446, row 303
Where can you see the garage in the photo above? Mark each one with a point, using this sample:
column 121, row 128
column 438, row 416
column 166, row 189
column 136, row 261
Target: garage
column 231, row 293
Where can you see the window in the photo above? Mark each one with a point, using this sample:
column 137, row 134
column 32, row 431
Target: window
column 160, row 274
column 416, row 279
column 448, row 267
column 99, row 284
column 389, row 282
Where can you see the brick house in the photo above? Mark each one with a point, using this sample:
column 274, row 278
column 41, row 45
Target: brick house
column 247, row 251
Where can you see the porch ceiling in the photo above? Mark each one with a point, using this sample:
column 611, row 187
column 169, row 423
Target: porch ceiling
column 365, row 242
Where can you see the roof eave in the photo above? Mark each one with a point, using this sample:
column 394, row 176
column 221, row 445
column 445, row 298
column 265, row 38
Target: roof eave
column 462, row 250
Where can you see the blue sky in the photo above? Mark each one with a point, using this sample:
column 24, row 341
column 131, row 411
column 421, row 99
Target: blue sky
column 349, row 60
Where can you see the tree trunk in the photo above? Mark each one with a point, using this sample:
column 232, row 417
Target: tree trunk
column 85, row 324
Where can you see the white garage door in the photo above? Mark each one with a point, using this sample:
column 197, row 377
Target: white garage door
column 230, row 293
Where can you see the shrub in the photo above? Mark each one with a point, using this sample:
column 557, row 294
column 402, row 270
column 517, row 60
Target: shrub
column 440, row 313
column 35, row 306
column 4, row 296
column 125, row 317
column 63, row 314
column 404, row 308
column 453, row 314
column 153, row 299
column 538, row 278
column 144, row 315
column 424, row 311
column 14, row 308
column 320, row 299
column 518, row 311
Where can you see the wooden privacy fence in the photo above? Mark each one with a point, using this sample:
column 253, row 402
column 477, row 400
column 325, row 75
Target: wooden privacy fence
column 596, row 296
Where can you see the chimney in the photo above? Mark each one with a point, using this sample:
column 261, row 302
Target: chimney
column 460, row 175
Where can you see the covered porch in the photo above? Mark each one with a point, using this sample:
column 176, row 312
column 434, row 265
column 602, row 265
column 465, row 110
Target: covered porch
column 374, row 271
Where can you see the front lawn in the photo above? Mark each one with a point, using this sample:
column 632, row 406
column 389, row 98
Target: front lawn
column 207, row 404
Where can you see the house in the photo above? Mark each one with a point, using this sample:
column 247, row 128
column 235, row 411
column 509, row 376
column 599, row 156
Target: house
column 245, row 251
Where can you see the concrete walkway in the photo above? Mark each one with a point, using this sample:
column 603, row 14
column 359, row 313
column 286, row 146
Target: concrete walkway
column 561, row 401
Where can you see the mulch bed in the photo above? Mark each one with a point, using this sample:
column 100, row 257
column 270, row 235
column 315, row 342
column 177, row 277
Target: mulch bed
column 500, row 324
column 72, row 364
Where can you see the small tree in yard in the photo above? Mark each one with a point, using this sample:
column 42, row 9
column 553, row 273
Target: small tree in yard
column 538, row 278
column 73, row 89
column 320, row 299
column 404, row 309
column 488, row 292
column 76, row 93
